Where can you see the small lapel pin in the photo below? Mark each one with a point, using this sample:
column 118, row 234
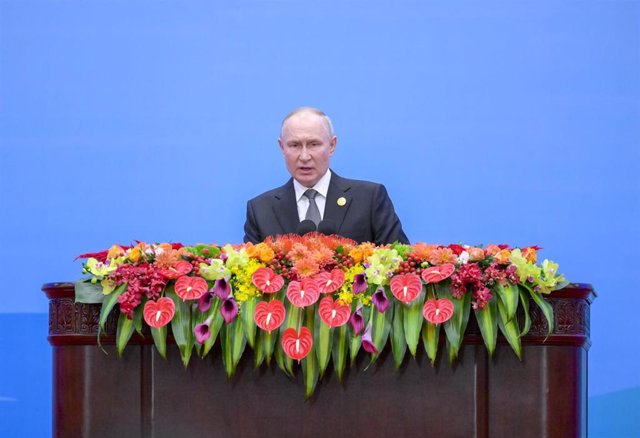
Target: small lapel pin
column 341, row 201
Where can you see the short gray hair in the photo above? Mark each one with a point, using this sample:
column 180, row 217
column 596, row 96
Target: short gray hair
column 309, row 109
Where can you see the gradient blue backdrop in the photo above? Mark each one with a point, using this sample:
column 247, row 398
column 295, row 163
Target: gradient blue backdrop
column 492, row 121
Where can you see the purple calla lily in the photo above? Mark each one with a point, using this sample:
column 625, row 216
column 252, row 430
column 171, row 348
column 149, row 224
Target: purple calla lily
column 356, row 320
column 380, row 300
column 204, row 303
column 202, row 332
column 222, row 288
column 229, row 309
column 367, row 341
column 359, row 284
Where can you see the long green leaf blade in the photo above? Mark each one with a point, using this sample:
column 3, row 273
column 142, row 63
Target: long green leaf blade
column 509, row 296
column 123, row 333
column 309, row 364
column 524, row 300
column 160, row 340
column 322, row 334
column 510, row 330
column 430, row 338
column 547, row 310
column 398, row 341
column 109, row 302
column 339, row 351
column 412, row 319
column 181, row 326
column 488, row 322
column 246, row 312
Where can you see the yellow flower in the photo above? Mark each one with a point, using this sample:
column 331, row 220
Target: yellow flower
column 135, row 254
column 115, row 251
column 108, row 286
column 345, row 297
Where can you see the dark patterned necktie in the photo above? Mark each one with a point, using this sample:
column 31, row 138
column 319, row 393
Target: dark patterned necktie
column 313, row 212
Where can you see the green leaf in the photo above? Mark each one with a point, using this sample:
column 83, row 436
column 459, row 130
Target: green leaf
column 269, row 343
column 309, row 364
column 456, row 326
column 322, row 335
column 258, row 350
column 233, row 345
column 109, row 302
column 354, row 347
column 524, row 300
column 430, row 337
column 137, row 317
column 247, row 311
column 160, row 340
column 292, row 320
column 181, row 326
column 547, row 309
column 509, row 297
column 339, row 351
column 89, row 293
column 509, row 329
column 380, row 329
column 123, row 333
column 398, row 342
column 488, row 322
column 214, row 327
column 412, row 319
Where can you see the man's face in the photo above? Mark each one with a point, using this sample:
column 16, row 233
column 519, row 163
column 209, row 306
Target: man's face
column 307, row 146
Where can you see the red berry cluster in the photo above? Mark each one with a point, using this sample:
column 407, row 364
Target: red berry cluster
column 340, row 261
column 195, row 261
column 281, row 265
column 143, row 280
column 412, row 265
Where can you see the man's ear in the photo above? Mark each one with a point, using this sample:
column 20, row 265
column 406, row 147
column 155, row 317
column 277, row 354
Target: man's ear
column 280, row 144
column 332, row 144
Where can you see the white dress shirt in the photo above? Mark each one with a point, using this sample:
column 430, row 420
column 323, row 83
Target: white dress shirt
column 322, row 187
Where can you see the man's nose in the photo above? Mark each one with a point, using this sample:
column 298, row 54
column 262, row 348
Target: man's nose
column 304, row 154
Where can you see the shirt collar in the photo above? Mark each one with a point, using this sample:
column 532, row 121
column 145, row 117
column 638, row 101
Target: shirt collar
column 322, row 186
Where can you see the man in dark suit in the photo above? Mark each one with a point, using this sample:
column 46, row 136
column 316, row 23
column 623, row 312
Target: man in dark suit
column 359, row 210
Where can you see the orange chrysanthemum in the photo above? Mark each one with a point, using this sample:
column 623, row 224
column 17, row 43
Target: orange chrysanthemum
column 423, row 251
column 361, row 252
column 530, row 254
column 167, row 258
column 443, row 255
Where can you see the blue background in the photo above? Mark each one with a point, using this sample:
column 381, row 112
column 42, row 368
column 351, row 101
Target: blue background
column 489, row 122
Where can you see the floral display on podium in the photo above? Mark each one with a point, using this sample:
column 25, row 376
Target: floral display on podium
column 303, row 301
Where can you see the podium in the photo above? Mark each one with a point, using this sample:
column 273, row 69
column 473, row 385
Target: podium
column 98, row 395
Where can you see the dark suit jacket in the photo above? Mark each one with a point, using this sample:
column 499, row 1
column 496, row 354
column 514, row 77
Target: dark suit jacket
column 367, row 216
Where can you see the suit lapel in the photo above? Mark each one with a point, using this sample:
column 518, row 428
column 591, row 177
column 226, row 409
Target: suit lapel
column 285, row 208
column 333, row 211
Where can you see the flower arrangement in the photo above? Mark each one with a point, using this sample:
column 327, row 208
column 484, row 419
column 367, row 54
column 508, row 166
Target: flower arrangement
column 310, row 299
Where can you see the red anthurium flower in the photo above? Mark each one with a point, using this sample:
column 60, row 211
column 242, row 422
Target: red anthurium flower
column 267, row 281
column 437, row 311
column 330, row 281
column 158, row 313
column 406, row 287
column 436, row 274
column 295, row 345
column 269, row 315
column 181, row 268
column 191, row 288
column 333, row 313
column 303, row 293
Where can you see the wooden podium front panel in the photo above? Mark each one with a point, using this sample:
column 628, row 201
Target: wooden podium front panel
column 416, row 401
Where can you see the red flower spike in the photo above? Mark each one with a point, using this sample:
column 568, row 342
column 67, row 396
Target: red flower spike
column 269, row 315
column 267, row 281
column 304, row 293
column 332, row 313
column 406, row 287
column 181, row 268
column 191, row 288
column 159, row 313
column 295, row 345
column 330, row 281
column 436, row 274
column 437, row 311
